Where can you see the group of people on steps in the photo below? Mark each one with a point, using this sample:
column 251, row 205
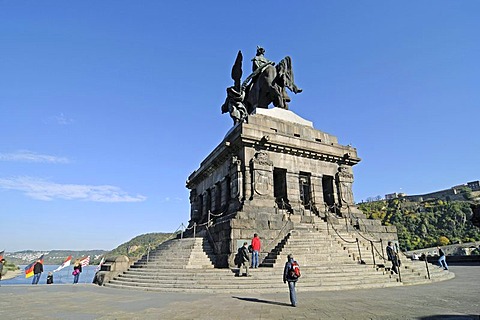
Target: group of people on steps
column 247, row 257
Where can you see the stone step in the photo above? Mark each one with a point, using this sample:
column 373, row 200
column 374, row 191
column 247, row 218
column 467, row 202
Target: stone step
column 254, row 289
column 254, row 277
column 309, row 269
column 326, row 260
column 200, row 273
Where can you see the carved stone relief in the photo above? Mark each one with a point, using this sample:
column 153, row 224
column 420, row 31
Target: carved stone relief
column 345, row 181
column 262, row 174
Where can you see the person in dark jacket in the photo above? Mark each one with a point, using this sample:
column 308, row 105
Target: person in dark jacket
column 442, row 261
column 37, row 271
column 392, row 256
column 2, row 262
column 77, row 269
column 288, row 276
column 50, row 278
column 243, row 257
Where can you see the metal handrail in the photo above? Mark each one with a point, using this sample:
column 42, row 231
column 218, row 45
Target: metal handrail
column 276, row 238
column 356, row 239
column 149, row 247
column 210, row 239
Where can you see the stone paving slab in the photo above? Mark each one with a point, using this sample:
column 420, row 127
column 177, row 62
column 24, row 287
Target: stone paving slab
column 453, row 299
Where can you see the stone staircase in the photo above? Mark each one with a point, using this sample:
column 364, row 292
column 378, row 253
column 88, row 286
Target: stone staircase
column 189, row 253
column 411, row 272
column 327, row 262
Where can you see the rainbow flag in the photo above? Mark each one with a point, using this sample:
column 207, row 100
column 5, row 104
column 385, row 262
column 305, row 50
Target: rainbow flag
column 29, row 268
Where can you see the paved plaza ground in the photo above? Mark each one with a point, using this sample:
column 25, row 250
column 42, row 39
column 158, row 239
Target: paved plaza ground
column 458, row 298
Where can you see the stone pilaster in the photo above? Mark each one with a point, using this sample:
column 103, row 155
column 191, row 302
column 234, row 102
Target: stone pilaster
column 317, row 191
column 293, row 190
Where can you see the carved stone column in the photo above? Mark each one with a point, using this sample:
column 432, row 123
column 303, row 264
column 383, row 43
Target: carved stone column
column 205, row 207
column 236, row 184
column 224, row 197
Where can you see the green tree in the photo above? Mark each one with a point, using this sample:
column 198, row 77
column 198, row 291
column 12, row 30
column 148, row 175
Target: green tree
column 421, row 224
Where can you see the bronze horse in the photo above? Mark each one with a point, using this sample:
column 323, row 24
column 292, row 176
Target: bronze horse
column 265, row 85
column 268, row 85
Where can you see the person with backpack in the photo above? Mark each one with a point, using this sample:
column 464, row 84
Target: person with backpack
column 243, row 259
column 291, row 273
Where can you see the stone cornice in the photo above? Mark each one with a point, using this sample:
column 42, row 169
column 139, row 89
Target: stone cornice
column 343, row 155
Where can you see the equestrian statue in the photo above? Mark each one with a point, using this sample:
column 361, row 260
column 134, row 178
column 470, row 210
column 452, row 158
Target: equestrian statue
column 266, row 84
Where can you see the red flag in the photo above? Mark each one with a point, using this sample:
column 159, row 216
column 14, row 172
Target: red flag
column 1, row 254
column 65, row 264
column 85, row 261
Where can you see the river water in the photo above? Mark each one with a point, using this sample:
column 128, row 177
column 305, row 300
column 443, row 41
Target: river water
column 63, row 276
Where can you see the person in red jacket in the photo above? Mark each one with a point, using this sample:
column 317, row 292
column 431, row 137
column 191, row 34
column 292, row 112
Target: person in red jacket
column 255, row 250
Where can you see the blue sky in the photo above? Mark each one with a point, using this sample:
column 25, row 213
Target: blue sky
column 106, row 107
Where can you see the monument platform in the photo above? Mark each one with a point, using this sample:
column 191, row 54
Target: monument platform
column 452, row 299
column 270, row 170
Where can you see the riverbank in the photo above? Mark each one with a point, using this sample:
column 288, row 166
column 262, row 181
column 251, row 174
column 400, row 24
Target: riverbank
column 11, row 274
column 64, row 276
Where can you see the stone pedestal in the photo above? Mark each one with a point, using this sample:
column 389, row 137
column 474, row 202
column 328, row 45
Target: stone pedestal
column 274, row 163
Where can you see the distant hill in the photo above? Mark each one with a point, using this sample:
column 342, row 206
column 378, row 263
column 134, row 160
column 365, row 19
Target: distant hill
column 422, row 224
column 53, row 256
column 134, row 248
column 138, row 246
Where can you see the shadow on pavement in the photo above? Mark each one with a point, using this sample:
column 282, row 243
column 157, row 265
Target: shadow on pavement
column 263, row 301
column 451, row 317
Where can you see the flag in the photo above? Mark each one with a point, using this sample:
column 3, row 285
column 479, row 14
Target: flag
column 85, row 261
column 65, row 264
column 100, row 264
column 1, row 254
column 29, row 268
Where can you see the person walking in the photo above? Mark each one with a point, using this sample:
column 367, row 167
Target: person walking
column 243, row 257
column 442, row 261
column 392, row 256
column 256, row 244
column 77, row 269
column 37, row 271
column 290, row 277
